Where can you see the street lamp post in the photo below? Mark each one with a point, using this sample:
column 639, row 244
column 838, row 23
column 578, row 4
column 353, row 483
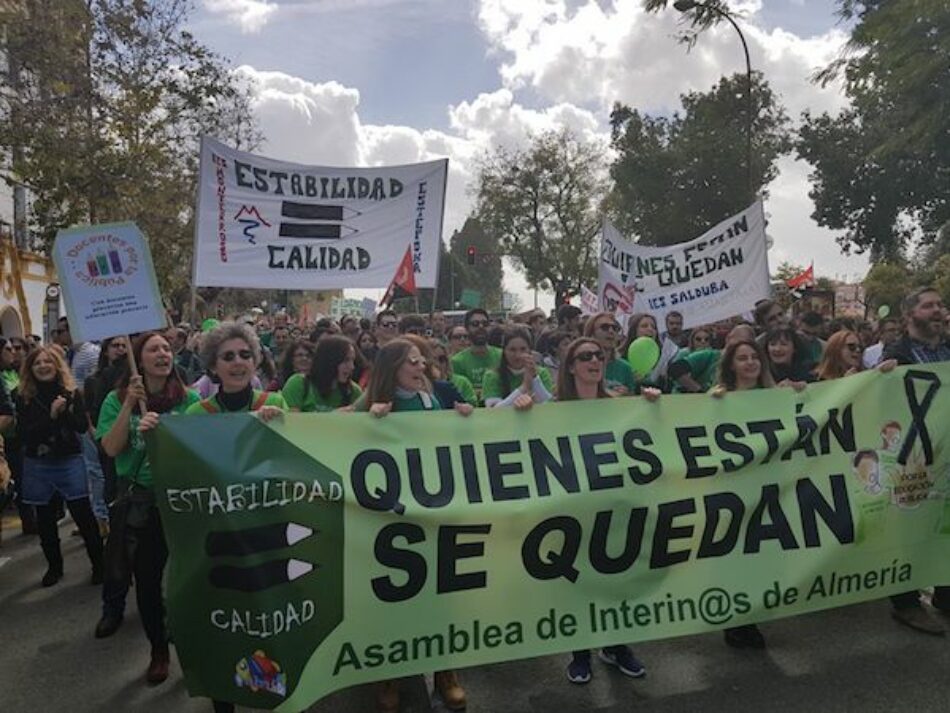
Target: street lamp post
column 686, row 6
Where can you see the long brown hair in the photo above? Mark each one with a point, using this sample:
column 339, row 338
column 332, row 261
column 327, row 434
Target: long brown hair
column 566, row 386
column 28, row 384
column 504, row 370
column 727, row 370
column 832, row 366
column 172, row 394
column 382, row 382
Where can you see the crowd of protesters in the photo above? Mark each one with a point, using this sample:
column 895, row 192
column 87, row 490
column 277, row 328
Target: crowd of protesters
column 72, row 414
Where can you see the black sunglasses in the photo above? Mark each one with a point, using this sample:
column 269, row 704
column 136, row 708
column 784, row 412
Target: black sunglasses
column 245, row 354
column 590, row 356
column 478, row 323
column 607, row 327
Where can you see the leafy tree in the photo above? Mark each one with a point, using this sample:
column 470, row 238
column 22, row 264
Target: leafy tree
column 675, row 177
column 101, row 114
column 882, row 166
column 941, row 278
column 786, row 271
column 886, row 284
column 485, row 275
column 543, row 206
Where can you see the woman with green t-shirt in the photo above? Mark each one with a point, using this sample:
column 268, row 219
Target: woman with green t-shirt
column 398, row 384
column 605, row 330
column 328, row 385
column 743, row 367
column 582, row 378
column 232, row 352
column 136, row 545
column 517, row 375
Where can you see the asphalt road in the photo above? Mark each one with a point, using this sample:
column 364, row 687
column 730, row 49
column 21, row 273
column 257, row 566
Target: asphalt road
column 850, row 659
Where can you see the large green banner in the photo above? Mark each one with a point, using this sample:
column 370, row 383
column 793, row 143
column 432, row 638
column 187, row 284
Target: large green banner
column 326, row 550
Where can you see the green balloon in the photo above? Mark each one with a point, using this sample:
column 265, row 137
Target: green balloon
column 643, row 354
column 209, row 324
column 883, row 311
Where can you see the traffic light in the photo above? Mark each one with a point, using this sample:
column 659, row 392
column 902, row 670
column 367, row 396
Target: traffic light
column 470, row 254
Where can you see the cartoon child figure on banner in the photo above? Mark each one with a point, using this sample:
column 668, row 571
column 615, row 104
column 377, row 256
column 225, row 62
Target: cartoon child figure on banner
column 867, row 468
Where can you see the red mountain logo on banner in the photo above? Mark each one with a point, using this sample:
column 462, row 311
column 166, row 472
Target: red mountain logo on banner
column 404, row 281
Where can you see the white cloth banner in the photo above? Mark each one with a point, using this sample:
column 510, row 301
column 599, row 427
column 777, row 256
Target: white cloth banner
column 720, row 274
column 108, row 281
column 615, row 295
column 272, row 224
column 590, row 302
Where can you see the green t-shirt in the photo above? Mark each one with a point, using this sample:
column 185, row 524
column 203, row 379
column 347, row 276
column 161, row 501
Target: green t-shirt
column 132, row 463
column 703, row 366
column 465, row 388
column 415, row 403
column 299, row 395
column 11, row 379
column 258, row 399
column 619, row 373
column 473, row 367
column 491, row 387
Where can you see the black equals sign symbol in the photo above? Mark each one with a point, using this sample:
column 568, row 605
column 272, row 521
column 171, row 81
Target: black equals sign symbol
column 237, row 543
column 316, row 216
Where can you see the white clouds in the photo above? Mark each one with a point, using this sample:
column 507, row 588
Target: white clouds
column 572, row 59
column 249, row 15
column 601, row 53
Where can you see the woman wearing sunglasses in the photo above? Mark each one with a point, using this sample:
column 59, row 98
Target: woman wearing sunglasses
column 232, row 353
column 328, row 384
column 605, row 330
column 136, row 547
column 441, row 367
column 518, row 381
column 398, row 384
column 581, row 378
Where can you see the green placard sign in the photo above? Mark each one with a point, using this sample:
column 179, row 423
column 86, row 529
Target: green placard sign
column 327, row 550
column 470, row 298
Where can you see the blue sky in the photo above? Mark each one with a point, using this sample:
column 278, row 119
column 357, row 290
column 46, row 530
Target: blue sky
column 394, row 81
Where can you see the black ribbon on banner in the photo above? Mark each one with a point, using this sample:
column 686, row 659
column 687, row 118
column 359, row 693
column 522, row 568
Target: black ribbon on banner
column 918, row 413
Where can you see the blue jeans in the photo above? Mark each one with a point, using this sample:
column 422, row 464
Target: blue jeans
column 97, row 481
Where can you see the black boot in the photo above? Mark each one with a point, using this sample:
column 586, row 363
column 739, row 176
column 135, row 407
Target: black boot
column 49, row 542
column 54, row 559
column 85, row 520
column 747, row 636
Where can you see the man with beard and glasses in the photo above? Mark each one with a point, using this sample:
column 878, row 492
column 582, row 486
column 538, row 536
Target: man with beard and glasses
column 924, row 343
column 472, row 363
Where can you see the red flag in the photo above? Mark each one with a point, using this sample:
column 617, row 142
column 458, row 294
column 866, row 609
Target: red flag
column 404, row 281
column 806, row 277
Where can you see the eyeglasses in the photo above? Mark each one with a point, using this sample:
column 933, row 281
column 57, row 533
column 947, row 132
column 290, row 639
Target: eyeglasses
column 245, row 354
column 478, row 323
column 853, row 347
column 590, row 356
column 608, row 327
